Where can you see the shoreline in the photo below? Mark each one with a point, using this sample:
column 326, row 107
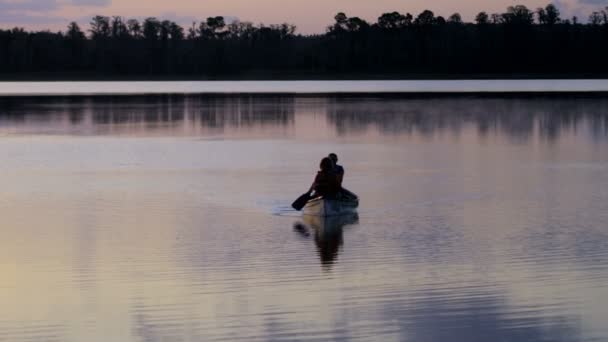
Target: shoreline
column 306, row 87
column 296, row 76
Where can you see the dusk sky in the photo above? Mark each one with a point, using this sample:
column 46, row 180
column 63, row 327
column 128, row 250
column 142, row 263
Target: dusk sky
column 311, row 16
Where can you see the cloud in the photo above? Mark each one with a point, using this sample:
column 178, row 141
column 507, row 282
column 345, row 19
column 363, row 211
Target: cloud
column 29, row 5
column 21, row 19
column 178, row 18
column 579, row 8
column 189, row 19
column 29, row 12
column 98, row 3
column 595, row 2
column 40, row 12
column 44, row 6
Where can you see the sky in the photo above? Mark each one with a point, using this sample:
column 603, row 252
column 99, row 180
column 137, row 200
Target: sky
column 310, row 16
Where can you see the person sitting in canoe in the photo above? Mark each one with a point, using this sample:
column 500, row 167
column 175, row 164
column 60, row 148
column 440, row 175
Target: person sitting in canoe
column 338, row 169
column 326, row 182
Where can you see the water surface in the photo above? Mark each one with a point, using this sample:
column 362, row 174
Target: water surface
column 167, row 219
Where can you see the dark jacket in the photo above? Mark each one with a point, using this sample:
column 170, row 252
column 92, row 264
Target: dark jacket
column 326, row 184
column 339, row 170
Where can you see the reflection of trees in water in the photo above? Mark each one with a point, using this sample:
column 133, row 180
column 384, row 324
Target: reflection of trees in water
column 519, row 118
column 599, row 126
column 40, row 109
column 136, row 110
column 152, row 111
column 218, row 112
column 212, row 112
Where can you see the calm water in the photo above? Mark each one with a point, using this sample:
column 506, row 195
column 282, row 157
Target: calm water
column 167, row 219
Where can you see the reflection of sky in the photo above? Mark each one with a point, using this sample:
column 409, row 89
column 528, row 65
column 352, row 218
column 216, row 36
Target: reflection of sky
column 436, row 318
column 122, row 221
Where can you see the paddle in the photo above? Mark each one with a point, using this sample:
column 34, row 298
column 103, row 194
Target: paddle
column 301, row 201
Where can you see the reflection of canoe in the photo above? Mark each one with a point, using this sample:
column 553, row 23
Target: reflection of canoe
column 328, row 225
column 341, row 205
column 328, row 234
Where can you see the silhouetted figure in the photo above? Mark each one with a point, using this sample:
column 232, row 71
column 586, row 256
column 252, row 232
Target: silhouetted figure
column 326, row 182
column 338, row 169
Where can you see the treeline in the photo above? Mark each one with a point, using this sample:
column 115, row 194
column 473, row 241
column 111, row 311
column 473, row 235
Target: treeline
column 519, row 41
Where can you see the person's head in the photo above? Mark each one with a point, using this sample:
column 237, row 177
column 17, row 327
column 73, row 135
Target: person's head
column 333, row 157
column 326, row 164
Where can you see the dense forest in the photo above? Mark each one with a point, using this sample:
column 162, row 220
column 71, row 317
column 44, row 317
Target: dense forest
column 517, row 42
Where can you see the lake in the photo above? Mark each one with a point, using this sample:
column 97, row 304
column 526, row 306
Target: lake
column 167, row 218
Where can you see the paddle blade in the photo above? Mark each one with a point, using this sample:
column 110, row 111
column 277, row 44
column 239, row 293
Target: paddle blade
column 300, row 202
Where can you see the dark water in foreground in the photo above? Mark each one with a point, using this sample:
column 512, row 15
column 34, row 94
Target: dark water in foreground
column 167, row 219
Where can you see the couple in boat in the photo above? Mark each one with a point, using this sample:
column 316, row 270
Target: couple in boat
column 327, row 183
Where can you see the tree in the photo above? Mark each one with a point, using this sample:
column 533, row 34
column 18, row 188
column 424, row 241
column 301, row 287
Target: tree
column 497, row 18
column 118, row 28
column 356, row 24
column 151, row 28
column 74, row 32
column 482, row 18
column 286, row 30
column 595, row 18
column 165, row 30
column 346, row 24
column 427, row 17
column 518, row 15
column 203, row 31
column 192, row 31
column 455, row 19
column 548, row 15
column 134, row 28
column 341, row 21
column 542, row 15
column 76, row 41
column 216, row 26
column 176, row 31
column 394, row 20
column 409, row 19
column 552, row 14
column 240, row 30
column 100, row 27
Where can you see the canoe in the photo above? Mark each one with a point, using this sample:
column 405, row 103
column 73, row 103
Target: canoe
column 341, row 205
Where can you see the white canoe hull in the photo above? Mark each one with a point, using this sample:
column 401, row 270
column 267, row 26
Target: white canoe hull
column 331, row 207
